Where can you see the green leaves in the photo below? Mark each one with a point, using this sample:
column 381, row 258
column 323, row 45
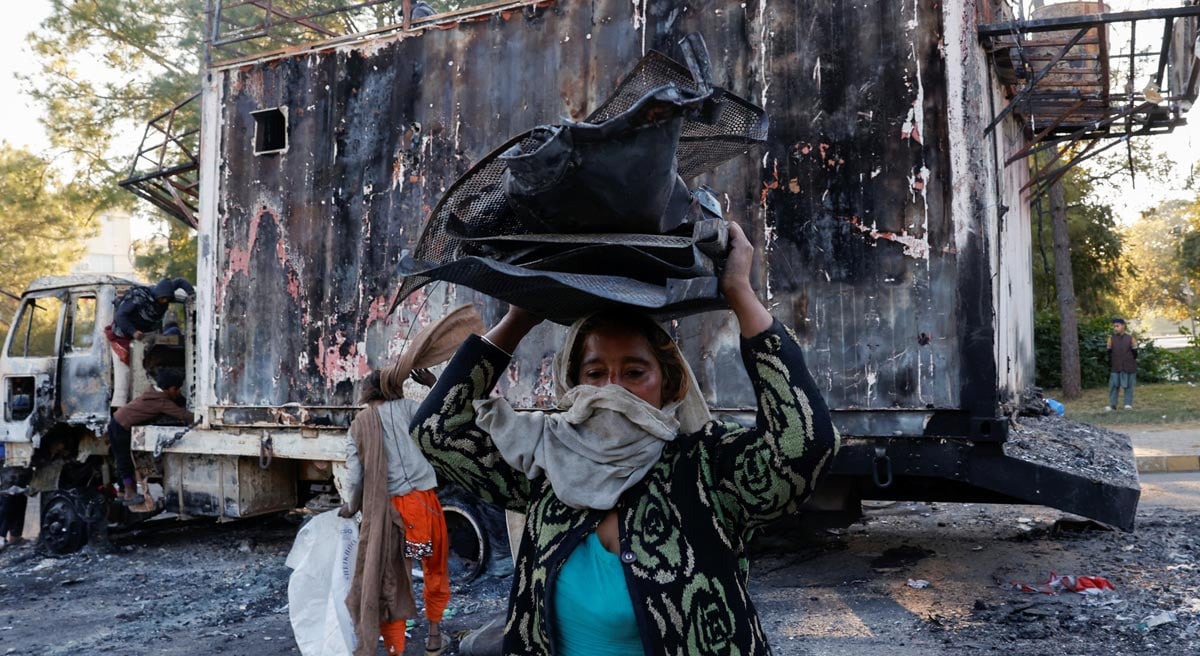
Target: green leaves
column 1096, row 250
column 108, row 66
column 42, row 221
column 1164, row 257
column 173, row 258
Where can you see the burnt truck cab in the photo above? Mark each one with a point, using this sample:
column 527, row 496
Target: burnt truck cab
column 58, row 381
column 56, row 370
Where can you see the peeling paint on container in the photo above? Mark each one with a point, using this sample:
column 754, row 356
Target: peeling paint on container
column 854, row 221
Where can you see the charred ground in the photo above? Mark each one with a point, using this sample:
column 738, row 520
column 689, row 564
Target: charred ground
column 209, row 588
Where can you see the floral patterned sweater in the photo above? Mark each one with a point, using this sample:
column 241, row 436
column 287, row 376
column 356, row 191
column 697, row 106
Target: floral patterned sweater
column 683, row 528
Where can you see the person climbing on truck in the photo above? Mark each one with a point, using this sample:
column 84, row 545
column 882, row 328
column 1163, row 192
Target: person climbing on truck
column 639, row 504
column 165, row 399
column 140, row 310
column 392, row 483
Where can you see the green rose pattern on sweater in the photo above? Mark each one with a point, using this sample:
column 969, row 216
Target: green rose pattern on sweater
column 683, row 529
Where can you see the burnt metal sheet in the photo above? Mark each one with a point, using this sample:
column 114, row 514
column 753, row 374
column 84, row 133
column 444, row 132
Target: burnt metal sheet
column 85, row 368
column 850, row 202
column 227, row 487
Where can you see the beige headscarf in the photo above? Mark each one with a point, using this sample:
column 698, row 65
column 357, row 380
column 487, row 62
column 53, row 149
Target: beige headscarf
column 603, row 442
column 433, row 345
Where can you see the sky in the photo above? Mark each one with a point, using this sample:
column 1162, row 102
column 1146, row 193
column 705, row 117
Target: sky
column 1182, row 146
column 20, row 118
column 19, row 124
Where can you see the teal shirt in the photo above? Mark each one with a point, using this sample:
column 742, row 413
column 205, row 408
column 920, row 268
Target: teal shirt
column 593, row 613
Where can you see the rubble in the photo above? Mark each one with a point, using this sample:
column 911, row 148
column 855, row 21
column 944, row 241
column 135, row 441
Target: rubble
column 185, row 589
column 1091, row 451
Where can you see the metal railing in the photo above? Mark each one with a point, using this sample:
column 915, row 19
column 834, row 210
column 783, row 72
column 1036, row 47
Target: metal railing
column 165, row 170
column 237, row 29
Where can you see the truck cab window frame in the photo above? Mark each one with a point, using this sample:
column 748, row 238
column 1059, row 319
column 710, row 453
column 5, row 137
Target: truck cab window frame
column 37, row 328
column 83, row 323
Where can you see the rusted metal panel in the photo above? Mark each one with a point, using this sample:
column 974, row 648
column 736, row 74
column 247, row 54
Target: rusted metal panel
column 227, row 487
column 286, row 443
column 880, row 262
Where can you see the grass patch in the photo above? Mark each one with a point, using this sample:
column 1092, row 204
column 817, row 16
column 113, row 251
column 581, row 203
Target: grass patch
column 1153, row 403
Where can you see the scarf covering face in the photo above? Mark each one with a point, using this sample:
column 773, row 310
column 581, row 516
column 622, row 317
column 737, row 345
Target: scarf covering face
column 603, row 442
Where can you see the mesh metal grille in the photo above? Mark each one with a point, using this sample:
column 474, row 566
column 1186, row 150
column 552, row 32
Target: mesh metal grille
column 632, row 239
column 702, row 146
column 477, row 199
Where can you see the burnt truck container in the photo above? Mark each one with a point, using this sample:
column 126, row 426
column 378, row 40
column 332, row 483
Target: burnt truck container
column 889, row 234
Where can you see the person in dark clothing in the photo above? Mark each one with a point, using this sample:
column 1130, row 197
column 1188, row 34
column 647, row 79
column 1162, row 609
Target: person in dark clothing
column 421, row 10
column 12, row 517
column 14, row 482
column 639, row 503
column 139, row 310
column 166, row 399
column 1122, row 356
column 171, row 324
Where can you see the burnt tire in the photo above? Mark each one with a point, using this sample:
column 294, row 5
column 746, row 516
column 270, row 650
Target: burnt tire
column 470, row 548
column 64, row 527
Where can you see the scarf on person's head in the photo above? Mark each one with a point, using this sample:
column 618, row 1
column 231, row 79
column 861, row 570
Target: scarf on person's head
column 603, row 442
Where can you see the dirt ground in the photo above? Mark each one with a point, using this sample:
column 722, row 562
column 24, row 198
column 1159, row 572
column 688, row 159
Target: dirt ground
column 222, row 589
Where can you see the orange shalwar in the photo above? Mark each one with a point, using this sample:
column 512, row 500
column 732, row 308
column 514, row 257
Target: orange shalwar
column 424, row 539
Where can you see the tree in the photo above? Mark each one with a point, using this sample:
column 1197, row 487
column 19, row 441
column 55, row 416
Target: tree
column 43, row 221
column 174, row 256
column 1080, row 280
column 149, row 55
column 1095, row 246
column 1164, row 258
column 1065, row 285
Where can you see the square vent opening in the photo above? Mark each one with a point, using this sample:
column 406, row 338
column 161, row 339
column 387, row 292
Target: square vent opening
column 270, row 131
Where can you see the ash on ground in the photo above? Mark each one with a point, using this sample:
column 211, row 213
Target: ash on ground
column 222, row 588
column 1090, row 451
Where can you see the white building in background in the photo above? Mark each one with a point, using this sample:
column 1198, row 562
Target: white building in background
column 110, row 251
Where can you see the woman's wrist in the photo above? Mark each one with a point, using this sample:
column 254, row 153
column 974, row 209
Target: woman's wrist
column 513, row 327
column 753, row 317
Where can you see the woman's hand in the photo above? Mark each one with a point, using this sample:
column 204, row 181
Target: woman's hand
column 424, row 377
column 736, row 277
column 515, row 325
column 753, row 318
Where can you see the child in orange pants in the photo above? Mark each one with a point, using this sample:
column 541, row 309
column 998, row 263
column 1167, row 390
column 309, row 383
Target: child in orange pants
column 425, row 539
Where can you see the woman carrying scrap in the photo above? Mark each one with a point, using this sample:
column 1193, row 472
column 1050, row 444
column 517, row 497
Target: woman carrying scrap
column 638, row 503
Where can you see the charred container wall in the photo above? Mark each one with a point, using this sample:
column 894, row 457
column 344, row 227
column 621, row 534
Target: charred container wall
column 875, row 206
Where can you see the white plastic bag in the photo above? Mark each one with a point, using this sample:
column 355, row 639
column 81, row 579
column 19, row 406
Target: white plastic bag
column 322, row 561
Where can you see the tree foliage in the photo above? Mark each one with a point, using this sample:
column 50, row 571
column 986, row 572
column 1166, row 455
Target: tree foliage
column 43, row 221
column 107, row 66
column 1164, row 257
column 1096, row 247
column 1093, row 355
column 174, row 256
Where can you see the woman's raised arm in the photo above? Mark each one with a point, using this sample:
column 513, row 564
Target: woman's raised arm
column 444, row 425
column 768, row 469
